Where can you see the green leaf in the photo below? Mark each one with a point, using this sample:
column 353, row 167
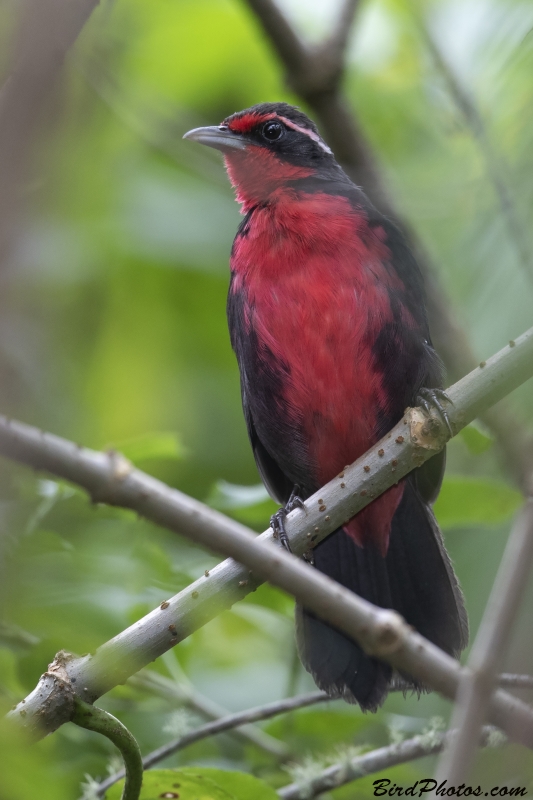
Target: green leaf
column 52, row 493
column 173, row 783
column 230, row 496
column 477, row 439
column 239, row 785
column 198, row 783
column 473, row 501
column 307, row 730
column 151, row 445
column 250, row 505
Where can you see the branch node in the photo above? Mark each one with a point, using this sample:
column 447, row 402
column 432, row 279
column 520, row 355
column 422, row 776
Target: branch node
column 58, row 704
column 426, row 430
column 387, row 635
column 121, row 467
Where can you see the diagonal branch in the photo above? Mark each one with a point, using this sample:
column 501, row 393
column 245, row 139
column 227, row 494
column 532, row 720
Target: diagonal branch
column 288, row 45
column 377, row 761
column 495, row 165
column 488, row 650
column 338, row 41
column 110, row 478
column 187, row 695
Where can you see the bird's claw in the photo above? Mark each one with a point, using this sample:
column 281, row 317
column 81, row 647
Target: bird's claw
column 277, row 520
column 277, row 523
column 431, row 398
column 295, row 502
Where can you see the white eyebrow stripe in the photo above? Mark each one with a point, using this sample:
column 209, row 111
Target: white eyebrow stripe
column 312, row 135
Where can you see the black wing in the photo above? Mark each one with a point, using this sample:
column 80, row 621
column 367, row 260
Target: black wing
column 278, row 485
column 277, row 442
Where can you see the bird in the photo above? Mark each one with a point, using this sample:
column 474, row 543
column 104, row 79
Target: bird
column 327, row 318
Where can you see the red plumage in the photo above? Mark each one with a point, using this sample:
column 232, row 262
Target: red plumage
column 317, row 293
column 327, row 318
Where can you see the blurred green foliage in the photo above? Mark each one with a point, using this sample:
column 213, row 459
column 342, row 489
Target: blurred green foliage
column 200, row 784
column 114, row 335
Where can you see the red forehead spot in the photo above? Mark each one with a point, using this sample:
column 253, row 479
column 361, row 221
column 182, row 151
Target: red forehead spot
column 248, row 122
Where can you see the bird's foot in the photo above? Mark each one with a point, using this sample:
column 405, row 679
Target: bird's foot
column 295, row 501
column 277, row 523
column 431, row 398
column 277, row 520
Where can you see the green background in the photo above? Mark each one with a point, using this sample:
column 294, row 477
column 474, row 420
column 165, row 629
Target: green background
column 114, row 335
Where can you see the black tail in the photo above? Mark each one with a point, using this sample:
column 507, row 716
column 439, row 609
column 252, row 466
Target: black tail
column 415, row 578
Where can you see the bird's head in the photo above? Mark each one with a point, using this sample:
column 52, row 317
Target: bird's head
column 265, row 148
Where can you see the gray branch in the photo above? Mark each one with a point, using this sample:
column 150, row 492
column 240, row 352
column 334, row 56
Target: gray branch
column 111, row 478
column 495, row 166
column 187, row 695
column 338, row 41
column 510, row 681
column 488, row 651
column 376, row 761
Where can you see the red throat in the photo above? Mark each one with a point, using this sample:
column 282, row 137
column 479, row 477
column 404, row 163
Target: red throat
column 256, row 173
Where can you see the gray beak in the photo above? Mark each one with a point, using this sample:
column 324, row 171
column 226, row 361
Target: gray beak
column 219, row 137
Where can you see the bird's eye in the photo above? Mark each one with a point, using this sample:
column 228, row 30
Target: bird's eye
column 272, row 131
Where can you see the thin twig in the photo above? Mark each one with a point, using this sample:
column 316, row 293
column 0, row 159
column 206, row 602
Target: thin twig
column 376, row 761
column 494, row 162
column 288, row 45
column 510, row 681
column 212, row 728
column 187, row 695
column 110, row 478
column 488, row 651
column 341, row 34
